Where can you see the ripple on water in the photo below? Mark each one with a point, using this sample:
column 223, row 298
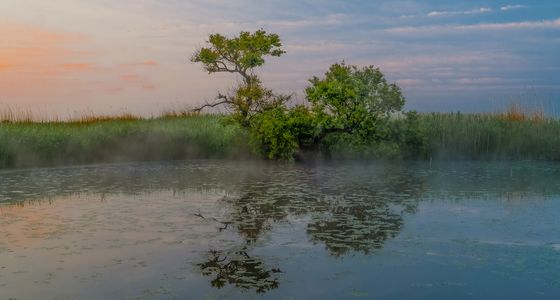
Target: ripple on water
column 208, row 229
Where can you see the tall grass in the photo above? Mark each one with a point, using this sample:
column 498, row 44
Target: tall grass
column 25, row 141
column 515, row 134
column 512, row 135
column 10, row 114
column 123, row 138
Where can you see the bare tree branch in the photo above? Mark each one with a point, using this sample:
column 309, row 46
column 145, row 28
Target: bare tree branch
column 224, row 100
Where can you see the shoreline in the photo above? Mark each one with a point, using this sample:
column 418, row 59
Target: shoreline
column 438, row 136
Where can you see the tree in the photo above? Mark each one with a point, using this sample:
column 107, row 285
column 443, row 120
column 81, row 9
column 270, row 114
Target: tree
column 281, row 132
column 241, row 55
column 352, row 100
column 350, row 104
column 355, row 102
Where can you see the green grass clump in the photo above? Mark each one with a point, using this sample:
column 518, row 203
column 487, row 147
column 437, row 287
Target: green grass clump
column 31, row 144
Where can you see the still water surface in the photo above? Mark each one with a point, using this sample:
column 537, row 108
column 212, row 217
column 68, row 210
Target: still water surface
column 228, row 230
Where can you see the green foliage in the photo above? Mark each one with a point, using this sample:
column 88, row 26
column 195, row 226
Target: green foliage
column 241, row 55
column 238, row 54
column 354, row 101
column 348, row 100
column 280, row 132
column 349, row 105
column 409, row 134
column 355, row 112
column 253, row 99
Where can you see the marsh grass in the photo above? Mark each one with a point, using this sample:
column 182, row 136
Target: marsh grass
column 10, row 114
column 94, row 139
column 510, row 135
column 514, row 134
column 27, row 141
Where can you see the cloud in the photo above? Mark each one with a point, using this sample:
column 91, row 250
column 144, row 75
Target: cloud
column 130, row 77
column 135, row 81
column 149, row 86
column 510, row 7
column 76, row 67
column 27, row 48
column 60, row 64
column 5, row 66
column 151, row 41
column 479, row 80
column 442, row 63
column 436, row 73
column 320, row 46
column 543, row 24
column 232, row 26
column 513, row 25
column 149, row 63
column 43, row 58
column 146, row 63
column 411, row 82
column 479, row 10
column 327, row 20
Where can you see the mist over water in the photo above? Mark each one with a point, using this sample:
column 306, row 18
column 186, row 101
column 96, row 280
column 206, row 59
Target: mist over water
column 211, row 229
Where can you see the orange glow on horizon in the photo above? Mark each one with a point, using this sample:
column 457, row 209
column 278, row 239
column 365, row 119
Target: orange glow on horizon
column 28, row 48
column 38, row 63
column 34, row 61
column 150, row 63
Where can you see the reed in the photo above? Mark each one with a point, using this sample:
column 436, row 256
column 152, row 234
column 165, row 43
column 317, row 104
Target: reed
column 29, row 141
column 511, row 135
column 118, row 138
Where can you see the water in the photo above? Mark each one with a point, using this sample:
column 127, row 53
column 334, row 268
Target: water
column 227, row 230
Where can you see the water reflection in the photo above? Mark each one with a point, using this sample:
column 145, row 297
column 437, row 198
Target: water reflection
column 355, row 227
column 353, row 210
column 240, row 269
column 347, row 209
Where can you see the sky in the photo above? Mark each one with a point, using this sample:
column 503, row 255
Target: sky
column 68, row 57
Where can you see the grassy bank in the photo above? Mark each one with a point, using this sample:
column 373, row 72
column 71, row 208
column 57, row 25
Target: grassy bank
column 512, row 135
column 90, row 140
column 506, row 136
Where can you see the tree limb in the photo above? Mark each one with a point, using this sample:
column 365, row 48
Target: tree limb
column 225, row 100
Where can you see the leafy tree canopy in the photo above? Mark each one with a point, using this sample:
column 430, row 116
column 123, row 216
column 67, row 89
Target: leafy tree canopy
column 348, row 101
column 241, row 55
column 354, row 100
column 280, row 132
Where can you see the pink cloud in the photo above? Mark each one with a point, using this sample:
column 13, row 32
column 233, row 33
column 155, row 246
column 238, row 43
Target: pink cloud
column 130, row 77
column 149, row 63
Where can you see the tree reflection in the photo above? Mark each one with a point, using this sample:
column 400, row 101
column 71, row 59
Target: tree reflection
column 239, row 269
column 349, row 211
column 252, row 214
column 358, row 227
column 349, row 208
